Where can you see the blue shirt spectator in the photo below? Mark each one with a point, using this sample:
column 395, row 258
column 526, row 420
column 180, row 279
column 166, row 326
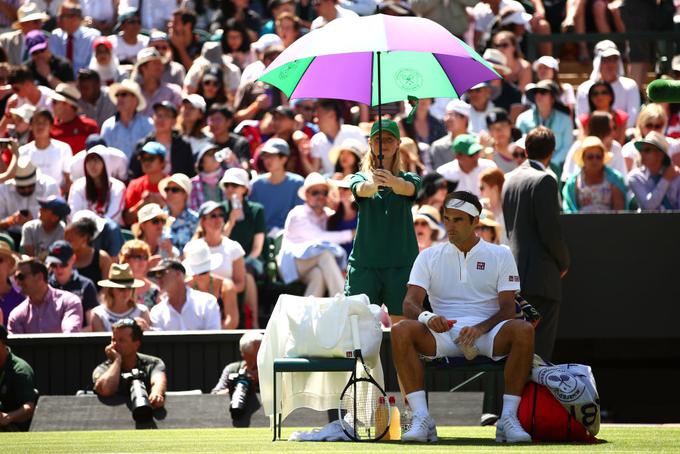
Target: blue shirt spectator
column 79, row 51
column 277, row 199
column 125, row 138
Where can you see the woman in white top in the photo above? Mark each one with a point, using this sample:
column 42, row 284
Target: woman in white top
column 211, row 225
column 118, row 300
column 52, row 157
column 97, row 191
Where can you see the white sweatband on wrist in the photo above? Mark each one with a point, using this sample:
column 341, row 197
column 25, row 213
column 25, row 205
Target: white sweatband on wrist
column 462, row 205
column 425, row 317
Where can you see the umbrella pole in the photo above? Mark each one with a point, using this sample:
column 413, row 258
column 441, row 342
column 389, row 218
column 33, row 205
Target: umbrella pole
column 380, row 152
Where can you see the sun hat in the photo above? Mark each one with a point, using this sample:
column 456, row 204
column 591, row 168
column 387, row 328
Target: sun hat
column 487, row 219
column 26, row 172
column 276, row 146
column 29, row 12
column 154, row 148
column 350, row 144
column 35, row 40
column 606, row 48
column 205, row 148
column 60, row 252
column 590, row 142
column 146, row 55
column 129, row 86
column 466, row 144
column 25, row 112
column 66, row 93
column 150, row 211
column 210, row 206
column 658, row 140
column 168, row 264
column 387, row 125
column 235, row 175
column 549, row 85
column 179, row 179
column 7, row 252
column 198, row 259
column 56, row 205
column 547, row 60
column 99, row 221
column 266, row 41
column 196, row 101
column 120, row 276
column 313, row 179
column 431, row 215
column 458, row 106
column 167, row 105
column 497, row 59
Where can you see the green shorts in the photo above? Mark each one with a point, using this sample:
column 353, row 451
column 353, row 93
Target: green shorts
column 382, row 285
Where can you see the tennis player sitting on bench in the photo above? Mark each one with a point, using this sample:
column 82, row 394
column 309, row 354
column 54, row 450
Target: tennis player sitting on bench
column 473, row 283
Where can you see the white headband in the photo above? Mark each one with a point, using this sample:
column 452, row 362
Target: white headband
column 464, row 206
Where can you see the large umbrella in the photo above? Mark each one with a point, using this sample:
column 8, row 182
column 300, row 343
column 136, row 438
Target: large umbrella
column 378, row 59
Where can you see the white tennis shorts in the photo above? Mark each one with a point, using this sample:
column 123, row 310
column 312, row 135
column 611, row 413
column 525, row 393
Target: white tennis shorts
column 446, row 347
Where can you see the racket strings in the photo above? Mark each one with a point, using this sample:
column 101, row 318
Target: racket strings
column 371, row 422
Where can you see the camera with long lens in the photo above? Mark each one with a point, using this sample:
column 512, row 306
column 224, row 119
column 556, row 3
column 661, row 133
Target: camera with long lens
column 139, row 396
column 239, row 387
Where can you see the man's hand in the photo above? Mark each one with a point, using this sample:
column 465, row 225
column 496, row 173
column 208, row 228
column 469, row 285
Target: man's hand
column 468, row 335
column 4, row 419
column 143, row 324
column 670, row 173
column 439, row 324
column 111, row 353
column 156, row 400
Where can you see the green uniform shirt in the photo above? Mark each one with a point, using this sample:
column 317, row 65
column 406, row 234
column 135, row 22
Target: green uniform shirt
column 148, row 364
column 385, row 237
column 244, row 231
column 16, row 386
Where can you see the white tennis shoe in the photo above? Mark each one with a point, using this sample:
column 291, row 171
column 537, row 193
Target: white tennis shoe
column 509, row 430
column 422, row 429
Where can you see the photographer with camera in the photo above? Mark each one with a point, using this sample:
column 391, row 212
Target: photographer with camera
column 128, row 372
column 240, row 380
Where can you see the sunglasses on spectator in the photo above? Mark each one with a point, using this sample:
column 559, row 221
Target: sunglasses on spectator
column 25, row 189
column 593, row 156
column 600, row 92
column 211, row 82
column 147, row 158
column 213, row 215
column 503, row 45
column 138, row 257
column 123, row 94
column 156, row 221
column 319, row 192
column 421, row 223
column 173, row 189
column 655, row 126
column 648, row 149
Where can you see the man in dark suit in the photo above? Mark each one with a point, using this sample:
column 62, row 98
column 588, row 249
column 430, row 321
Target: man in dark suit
column 531, row 212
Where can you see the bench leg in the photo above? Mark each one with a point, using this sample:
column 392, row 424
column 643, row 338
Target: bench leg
column 274, row 410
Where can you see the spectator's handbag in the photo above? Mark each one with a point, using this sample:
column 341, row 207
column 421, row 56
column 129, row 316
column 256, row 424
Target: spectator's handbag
column 319, row 327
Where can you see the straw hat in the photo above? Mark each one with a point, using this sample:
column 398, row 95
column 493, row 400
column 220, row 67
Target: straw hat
column 199, row 260
column 657, row 140
column 29, row 12
column 487, row 219
column 131, row 87
column 589, row 142
column 498, row 60
column 8, row 253
column 179, row 179
column 66, row 93
column 26, row 172
column 431, row 215
column 120, row 276
column 354, row 146
column 313, row 179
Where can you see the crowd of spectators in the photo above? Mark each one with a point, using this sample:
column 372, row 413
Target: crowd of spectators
column 141, row 143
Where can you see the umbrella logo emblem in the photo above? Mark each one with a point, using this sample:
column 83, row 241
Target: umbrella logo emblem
column 408, row 79
column 289, row 68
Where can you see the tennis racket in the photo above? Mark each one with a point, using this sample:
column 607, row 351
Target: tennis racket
column 364, row 409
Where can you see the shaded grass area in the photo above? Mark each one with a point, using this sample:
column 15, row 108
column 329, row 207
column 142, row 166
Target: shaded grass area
column 618, row 439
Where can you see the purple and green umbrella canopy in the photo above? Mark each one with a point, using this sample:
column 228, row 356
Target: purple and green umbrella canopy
column 410, row 56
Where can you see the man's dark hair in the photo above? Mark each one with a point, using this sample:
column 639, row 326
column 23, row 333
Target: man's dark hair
column 20, row 74
column 43, row 113
column 129, row 323
column 88, row 74
column 540, row 143
column 85, row 227
column 330, row 104
column 187, row 16
column 224, row 109
column 36, row 267
column 466, row 197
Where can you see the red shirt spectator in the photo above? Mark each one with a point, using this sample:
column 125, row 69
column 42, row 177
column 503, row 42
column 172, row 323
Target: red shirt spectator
column 68, row 126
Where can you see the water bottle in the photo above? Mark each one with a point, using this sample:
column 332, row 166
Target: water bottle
column 381, row 418
column 395, row 421
column 237, row 205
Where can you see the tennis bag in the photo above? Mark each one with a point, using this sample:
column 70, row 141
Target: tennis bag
column 320, row 327
column 562, row 403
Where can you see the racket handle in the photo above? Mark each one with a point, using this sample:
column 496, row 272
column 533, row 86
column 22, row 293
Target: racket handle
column 354, row 323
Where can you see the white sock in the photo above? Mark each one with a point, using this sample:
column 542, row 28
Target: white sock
column 418, row 402
column 510, row 405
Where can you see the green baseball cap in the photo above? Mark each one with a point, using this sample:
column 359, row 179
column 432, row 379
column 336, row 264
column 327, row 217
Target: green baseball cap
column 466, row 144
column 387, row 125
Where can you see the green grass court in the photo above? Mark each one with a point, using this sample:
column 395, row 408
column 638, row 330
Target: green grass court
column 617, row 439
